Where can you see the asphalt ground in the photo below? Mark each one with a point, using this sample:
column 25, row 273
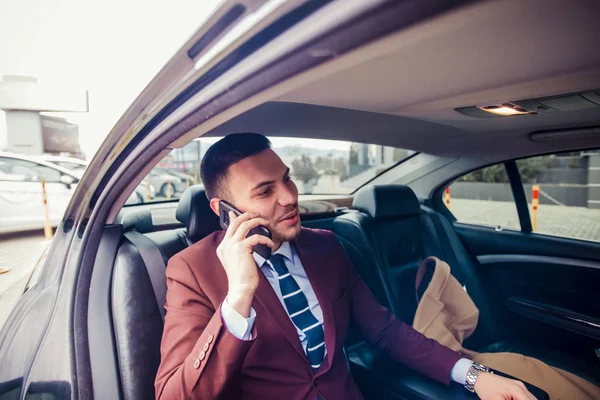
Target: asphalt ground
column 563, row 221
column 19, row 252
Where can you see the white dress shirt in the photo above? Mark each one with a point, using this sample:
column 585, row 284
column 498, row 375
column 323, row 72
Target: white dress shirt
column 241, row 327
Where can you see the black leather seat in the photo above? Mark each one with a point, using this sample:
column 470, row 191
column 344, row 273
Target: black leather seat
column 137, row 322
column 391, row 233
column 195, row 213
column 385, row 260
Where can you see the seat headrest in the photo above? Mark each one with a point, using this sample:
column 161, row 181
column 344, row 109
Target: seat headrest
column 387, row 201
column 140, row 221
column 195, row 213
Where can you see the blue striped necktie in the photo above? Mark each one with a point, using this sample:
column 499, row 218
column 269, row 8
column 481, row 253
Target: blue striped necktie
column 299, row 311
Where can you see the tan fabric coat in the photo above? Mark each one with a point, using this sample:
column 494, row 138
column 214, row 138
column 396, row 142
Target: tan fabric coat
column 447, row 314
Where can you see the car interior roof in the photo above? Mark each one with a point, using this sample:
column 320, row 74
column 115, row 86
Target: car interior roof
column 403, row 90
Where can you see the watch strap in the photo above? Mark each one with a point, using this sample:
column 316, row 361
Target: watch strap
column 473, row 375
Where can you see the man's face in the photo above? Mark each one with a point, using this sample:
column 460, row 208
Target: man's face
column 261, row 184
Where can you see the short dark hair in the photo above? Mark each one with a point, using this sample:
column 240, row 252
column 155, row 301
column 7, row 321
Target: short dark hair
column 221, row 155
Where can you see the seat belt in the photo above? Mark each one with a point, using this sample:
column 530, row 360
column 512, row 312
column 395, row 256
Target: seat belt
column 155, row 266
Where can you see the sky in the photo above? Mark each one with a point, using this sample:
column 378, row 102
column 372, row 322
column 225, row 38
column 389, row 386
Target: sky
column 111, row 48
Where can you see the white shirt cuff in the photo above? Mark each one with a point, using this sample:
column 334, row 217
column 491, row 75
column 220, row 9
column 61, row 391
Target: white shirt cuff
column 237, row 325
column 460, row 369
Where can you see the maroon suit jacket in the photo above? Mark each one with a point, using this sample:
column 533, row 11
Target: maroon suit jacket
column 200, row 358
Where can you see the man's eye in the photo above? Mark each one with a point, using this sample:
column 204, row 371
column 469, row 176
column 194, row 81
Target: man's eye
column 286, row 179
column 265, row 192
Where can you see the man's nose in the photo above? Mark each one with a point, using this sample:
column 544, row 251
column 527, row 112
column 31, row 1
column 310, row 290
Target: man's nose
column 288, row 195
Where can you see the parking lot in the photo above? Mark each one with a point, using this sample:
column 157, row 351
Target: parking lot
column 565, row 221
column 19, row 252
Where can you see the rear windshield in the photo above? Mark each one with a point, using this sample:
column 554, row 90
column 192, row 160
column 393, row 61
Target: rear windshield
column 318, row 166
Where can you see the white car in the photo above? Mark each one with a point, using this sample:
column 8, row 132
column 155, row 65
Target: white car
column 145, row 191
column 21, row 200
column 75, row 165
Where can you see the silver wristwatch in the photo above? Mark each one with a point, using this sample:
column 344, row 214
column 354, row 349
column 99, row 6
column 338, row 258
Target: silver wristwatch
column 473, row 374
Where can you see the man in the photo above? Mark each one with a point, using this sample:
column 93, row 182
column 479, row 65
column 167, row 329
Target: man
column 240, row 326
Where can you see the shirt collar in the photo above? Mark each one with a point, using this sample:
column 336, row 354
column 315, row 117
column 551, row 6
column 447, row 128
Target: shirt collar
column 285, row 250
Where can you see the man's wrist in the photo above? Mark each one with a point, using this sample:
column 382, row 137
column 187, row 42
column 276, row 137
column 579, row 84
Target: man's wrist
column 460, row 370
column 237, row 325
column 241, row 301
column 473, row 375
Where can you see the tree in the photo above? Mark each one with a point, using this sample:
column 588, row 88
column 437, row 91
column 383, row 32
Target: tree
column 492, row 174
column 399, row 154
column 353, row 158
column 340, row 166
column 531, row 168
column 303, row 169
column 322, row 164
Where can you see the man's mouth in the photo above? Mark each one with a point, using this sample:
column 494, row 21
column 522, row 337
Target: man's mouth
column 290, row 217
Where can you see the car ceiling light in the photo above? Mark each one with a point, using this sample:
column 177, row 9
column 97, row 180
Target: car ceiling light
column 506, row 110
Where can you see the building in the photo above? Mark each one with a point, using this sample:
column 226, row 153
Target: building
column 29, row 132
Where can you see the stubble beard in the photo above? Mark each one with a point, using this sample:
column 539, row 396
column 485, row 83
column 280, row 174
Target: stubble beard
column 279, row 237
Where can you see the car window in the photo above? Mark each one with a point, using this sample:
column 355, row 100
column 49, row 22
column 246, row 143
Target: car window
column 11, row 170
column 47, row 174
column 70, row 165
column 25, row 171
column 317, row 166
column 567, row 188
column 483, row 197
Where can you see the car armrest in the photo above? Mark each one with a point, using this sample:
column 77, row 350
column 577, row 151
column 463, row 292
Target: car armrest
column 380, row 377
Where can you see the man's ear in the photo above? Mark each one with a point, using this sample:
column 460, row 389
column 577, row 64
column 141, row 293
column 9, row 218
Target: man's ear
column 214, row 205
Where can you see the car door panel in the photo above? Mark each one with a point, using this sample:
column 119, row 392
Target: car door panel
column 547, row 285
column 21, row 206
column 58, row 196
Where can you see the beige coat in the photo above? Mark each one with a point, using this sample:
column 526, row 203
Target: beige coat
column 447, row 314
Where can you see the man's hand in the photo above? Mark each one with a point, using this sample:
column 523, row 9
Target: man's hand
column 235, row 253
column 494, row 387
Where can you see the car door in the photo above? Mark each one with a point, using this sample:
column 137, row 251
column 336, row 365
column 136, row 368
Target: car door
column 59, row 189
column 534, row 227
column 76, row 168
column 21, row 205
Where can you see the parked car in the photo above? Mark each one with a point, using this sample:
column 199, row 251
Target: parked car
column 438, row 78
column 21, row 201
column 145, row 191
column 183, row 177
column 166, row 181
column 73, row 164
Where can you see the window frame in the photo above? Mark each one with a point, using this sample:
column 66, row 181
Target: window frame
column 519, row 197
column 437, row 199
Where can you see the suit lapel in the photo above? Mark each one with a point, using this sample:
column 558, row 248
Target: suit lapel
column 314, row 265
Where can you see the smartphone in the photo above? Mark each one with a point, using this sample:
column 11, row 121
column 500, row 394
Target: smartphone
column 261, row 249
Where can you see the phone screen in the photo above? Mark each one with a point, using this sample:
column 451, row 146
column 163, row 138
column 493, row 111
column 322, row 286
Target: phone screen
column 260, row 249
